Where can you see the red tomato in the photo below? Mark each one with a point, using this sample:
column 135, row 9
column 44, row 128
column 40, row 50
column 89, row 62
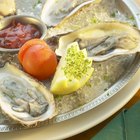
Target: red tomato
column 38, row 59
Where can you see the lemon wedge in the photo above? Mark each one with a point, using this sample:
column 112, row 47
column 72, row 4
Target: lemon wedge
column 73, row 71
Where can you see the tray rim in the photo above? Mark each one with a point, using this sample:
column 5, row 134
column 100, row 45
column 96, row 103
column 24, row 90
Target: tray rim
column 95, row 102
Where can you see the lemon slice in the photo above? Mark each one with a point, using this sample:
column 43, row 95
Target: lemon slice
column 73, row 71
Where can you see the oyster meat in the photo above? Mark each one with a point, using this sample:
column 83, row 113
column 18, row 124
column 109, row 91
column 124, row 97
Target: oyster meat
column 103, row 40
column 55, row 11
column 7, row 7
column 24, row 99
column 95, row 12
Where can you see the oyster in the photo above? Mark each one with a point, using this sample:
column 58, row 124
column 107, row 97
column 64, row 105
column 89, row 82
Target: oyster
column 24, row 99
column 95, row 12
column 55, row 11
column 7, row 7
column 103, row 40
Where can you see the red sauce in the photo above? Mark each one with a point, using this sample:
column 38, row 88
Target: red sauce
column 17, row 34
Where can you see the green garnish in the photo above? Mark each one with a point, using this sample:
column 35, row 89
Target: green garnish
column 94, row 20
column 38, row 2
column 135, row 25
column 58, row 97
column 88, row 84
column 76, row 64
column 106, row 78
column 132, row 18
column 113, row 14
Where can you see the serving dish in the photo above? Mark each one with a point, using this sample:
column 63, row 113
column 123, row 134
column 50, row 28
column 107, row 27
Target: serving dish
column 79, row 124
column 104, row 90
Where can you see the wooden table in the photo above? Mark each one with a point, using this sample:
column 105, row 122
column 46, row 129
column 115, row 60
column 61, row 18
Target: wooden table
column 91, row 132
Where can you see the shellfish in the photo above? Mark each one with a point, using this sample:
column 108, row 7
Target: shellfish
column 7, row 7
column 55, row 11
column 103, row 40
column 24, row 99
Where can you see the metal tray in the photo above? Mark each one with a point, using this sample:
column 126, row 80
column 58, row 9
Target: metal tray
column 101, row 91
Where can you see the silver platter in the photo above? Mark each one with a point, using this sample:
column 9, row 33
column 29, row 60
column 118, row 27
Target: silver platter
column 130, row 68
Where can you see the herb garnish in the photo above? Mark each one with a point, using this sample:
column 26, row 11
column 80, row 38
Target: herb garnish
column 113, row 14
column 95, row 20
column 76, row 64
column 38, row 2
column 132, row 18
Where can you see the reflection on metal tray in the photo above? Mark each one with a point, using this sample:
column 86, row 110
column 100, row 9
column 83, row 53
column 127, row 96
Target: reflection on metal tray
column 109, row 76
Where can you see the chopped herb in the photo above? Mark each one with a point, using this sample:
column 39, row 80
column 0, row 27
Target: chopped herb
column 38, row 2
column 113, row 14
column 58, row 97
column 88, row 84
column 135, row 25
column 76, row 64
column 106, row 78
column 95, row 20
column 132, row 18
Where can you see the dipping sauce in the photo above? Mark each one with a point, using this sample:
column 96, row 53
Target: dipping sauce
column 16, row 34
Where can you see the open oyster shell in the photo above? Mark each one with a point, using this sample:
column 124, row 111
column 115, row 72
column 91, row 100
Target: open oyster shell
column 7, row 7
column 103, row 40
column 24, row 99
column 55, row 11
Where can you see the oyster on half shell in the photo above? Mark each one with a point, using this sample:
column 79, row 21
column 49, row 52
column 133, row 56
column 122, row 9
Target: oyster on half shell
column 7, row 7
column 103, row 40
column 24, row 99
column 55, row 11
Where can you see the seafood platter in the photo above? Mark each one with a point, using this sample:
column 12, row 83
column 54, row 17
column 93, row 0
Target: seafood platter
column 60, row 59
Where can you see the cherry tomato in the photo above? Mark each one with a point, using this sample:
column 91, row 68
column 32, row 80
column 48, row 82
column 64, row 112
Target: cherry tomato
column 38, row 59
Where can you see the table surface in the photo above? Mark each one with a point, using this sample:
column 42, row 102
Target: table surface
column 87, row 135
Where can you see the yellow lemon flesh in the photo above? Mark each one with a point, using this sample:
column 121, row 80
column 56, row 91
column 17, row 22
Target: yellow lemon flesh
column 73, row 71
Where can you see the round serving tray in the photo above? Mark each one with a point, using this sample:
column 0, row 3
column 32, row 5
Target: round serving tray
column 131, row 68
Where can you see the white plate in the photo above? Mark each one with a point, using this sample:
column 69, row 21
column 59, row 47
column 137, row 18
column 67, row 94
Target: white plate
column 83, row 122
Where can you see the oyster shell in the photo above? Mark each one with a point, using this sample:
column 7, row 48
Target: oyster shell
column 103, row 40
column 95, row 12
column 55, row 11
column 7, row 7
column 24, row 99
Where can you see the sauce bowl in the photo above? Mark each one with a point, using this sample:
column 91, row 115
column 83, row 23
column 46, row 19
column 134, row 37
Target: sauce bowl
column 24, row 20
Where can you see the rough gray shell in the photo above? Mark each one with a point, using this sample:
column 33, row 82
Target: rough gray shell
column 55, row 11
column 24, row 99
